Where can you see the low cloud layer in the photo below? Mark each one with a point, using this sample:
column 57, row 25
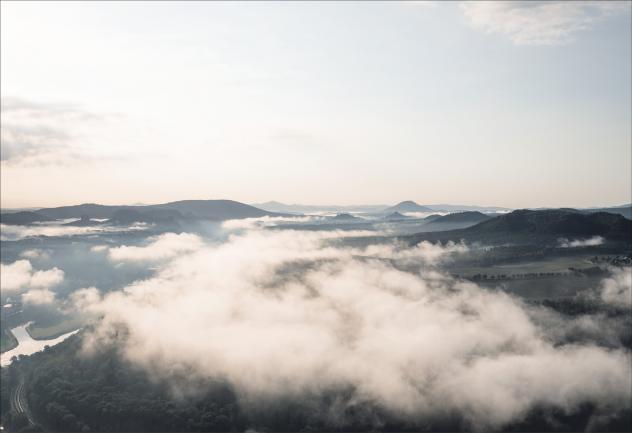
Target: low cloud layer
column 35, row 254
column 617, row 290
column 161, row 247
column 539, row 22
column 38, row 297
column 268, row 221
column 20, row 275
column 16, row 232
column 590, row 242
column 295, row 314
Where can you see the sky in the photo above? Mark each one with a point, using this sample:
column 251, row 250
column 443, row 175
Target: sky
column 519, row 104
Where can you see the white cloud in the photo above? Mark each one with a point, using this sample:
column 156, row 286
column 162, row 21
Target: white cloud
column 291, row 313
column 35, row 134
column 20, row 275
column 617, row 290
column 16, row 232
column 15, row 276
column 83, row 298
column 49, row 278
column 161, row 247
column 38, row 297
column 538, row 22
column 35, row 254
column 595, row 240
column 268, row 221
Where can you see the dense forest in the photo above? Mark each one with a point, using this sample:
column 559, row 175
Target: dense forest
column 69, row 392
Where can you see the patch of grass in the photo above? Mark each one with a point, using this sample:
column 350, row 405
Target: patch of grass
column 54, row 330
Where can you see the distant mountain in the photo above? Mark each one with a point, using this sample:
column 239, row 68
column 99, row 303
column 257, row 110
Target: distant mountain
column 625, row 210
column 23, row 218
column 216, row 210
column 346, row 217
column 453, row 221
column 407, row 206
column 90, row 210
column 275, row 206
column 432, row 217
column 463, row 208
column 534, row 226
column 559, row 223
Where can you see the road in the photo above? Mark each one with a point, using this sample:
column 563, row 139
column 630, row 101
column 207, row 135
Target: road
column 18, row 402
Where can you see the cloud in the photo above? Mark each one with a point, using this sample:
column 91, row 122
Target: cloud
column 425, row 251
column 424, row 214
column 161, row 247
column 268, row 221
column 20, row 143
column 296, row 314
column 539, row 22
column 58, row 111
column 15, row 232
column 38, row 297
column 47, row 278
column 617, row 290
column 35, row 134
column 20, row 275
column 15, row 276
column 35, row 254
column 595, row 240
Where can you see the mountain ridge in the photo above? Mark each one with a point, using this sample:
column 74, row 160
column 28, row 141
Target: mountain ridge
column 214, row 210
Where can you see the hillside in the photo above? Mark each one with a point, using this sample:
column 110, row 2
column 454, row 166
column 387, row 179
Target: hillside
column 216, row 210
column 527, row 226
column 625, row 210
column 275, row 206
column 345, row 217
column 455, row 221
column 23, row 218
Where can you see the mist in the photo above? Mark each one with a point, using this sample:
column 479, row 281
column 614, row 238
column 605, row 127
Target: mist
column 292, row 314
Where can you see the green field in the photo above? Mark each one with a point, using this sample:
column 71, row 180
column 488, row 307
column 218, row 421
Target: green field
column 551, row 264
column 46, row 332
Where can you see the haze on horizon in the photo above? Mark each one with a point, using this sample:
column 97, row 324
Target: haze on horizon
column 517, row 104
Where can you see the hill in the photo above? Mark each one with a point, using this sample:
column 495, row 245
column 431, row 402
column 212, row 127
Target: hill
column 432, row 217
column 23, row 218
column 455, row 221
column 625, row 210
column 213, row 209
column 538, row 226
column 345, row 217
column 216, row 210
column 464, row 207
column 275, row 206
column 407, row 206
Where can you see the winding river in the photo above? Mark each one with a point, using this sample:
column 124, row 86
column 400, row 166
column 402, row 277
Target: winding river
column 27, row 345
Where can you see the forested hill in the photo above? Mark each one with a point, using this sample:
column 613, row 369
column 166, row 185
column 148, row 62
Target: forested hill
column 216, row 210
column 538, row 226
column 67, row 393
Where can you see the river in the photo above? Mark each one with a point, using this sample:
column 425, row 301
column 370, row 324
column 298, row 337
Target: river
column 27, row 345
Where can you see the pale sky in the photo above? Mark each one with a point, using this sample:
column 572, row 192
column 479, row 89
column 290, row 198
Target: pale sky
column 508, row 104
